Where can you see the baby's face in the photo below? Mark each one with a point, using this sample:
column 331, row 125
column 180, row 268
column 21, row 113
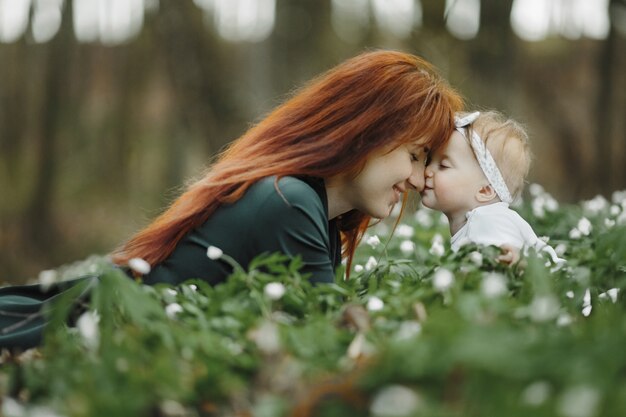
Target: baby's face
column 453, row 178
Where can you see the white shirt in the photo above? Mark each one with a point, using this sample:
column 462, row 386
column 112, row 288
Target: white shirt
column 496, row 224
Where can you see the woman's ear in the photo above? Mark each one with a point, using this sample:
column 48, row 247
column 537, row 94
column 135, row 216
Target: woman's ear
column 486, row 194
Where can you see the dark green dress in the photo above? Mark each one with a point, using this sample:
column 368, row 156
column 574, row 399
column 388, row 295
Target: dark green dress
column 290, row 216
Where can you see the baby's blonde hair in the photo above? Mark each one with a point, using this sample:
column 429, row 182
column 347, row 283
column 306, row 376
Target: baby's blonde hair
column 508, row 143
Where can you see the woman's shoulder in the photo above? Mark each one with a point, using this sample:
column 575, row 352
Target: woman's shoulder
column 287, row 191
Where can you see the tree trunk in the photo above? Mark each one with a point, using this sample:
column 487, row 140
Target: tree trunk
column 607, row 100
column 492, row 55
column 39, row 222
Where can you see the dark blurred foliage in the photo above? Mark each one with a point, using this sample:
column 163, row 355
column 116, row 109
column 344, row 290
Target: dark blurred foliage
column 95, row 140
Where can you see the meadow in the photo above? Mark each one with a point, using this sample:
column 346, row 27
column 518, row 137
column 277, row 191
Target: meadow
column 416, row 330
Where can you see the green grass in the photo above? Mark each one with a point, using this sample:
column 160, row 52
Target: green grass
column 497, row 341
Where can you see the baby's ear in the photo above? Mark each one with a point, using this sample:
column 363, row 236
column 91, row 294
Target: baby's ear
column 486, row 194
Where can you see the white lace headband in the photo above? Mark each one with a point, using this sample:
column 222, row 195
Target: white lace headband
column 485, row 160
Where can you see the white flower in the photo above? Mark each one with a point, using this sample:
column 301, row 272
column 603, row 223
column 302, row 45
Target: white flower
column 543, row 308
column 371, row 263
column 536, row 393
column 267, row 337
column 538, row 207
column 584, row 225
column 170, row 291
column 381, row 229
column 373, row 241
column 609, row 223
column 408, row 329
column 172, row 408
column 476, row 258
column 619, row 197
column 587, row 303
column 443, row 279
column 375, row 304
column 47, row 278
column 596, row 204
column 621, row 219
column 550, row 203
column 535, row 189
column 407, row 247
column 193, row 287
column 43, row 411
column 543, row 202
column 12, row 408
column 358, row 268
column 437, row 248
column 437, row 238
column 139, row 265
column 406, row 231
column 395, row 401
column 395, row 211
column 87, row 325
column 612, row 294
column 575, row 234
column 234, row 348
column 423, row 218
column 564, row 320
column 569, row 294
column 579, row 401
column 274, row 290
column 560, row 249
column 615, row 210
column 214, row 253
column 173, row 309
column 493, row 285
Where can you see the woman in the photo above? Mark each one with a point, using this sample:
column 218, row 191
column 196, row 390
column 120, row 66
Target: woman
column 309, row 177
column 305, row 181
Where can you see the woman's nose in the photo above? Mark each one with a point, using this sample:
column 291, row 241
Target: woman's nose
column 416, row 179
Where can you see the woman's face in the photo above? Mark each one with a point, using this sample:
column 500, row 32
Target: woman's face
column 384, row 179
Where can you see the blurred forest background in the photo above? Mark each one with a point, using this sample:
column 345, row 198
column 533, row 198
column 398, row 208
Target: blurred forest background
column 107, row 107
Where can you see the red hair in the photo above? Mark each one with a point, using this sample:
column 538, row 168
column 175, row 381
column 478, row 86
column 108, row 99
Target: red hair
column 331, row 126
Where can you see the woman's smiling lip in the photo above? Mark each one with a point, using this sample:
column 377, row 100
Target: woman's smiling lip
column 398, row 193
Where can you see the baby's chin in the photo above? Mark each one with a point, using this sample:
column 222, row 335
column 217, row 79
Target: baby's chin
column 424, row 201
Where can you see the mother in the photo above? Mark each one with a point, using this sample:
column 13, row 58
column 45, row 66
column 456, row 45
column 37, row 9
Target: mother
column 308, row 178
column 304, row 181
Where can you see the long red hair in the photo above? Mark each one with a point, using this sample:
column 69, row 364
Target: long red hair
column 331, row 126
